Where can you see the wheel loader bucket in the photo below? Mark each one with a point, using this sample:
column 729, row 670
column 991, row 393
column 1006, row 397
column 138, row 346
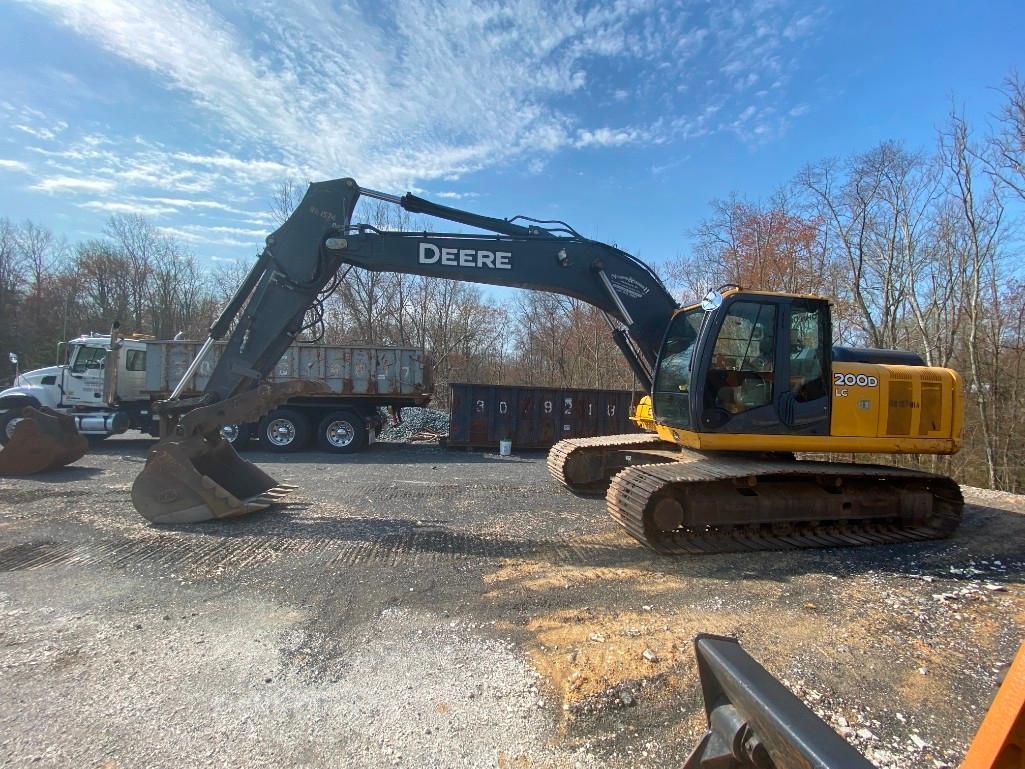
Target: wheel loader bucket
column 201, row 478
column 43, row 439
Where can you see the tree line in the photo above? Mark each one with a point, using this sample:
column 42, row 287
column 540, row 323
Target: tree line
column 917, row 249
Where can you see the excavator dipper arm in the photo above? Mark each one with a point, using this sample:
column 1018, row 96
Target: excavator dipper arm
column 193, row 475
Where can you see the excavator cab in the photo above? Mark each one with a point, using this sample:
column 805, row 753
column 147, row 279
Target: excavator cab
column 746, row 363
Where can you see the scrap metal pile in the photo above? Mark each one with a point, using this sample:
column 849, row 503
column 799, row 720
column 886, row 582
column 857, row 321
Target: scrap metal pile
column 416, row 425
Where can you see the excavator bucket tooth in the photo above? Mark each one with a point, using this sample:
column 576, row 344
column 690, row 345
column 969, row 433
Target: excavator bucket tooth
column 202, row 478
column 43, row 439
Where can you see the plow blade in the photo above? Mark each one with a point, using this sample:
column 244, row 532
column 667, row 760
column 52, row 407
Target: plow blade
column 195, row 475
column 42, row 440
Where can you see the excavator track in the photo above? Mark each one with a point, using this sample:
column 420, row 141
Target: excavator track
column 582, row 464
column 715, row 504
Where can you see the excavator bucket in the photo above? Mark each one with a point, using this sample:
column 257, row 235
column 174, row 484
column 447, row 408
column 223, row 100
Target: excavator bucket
column 201, row 478
column 43, row 439
column 195, row 475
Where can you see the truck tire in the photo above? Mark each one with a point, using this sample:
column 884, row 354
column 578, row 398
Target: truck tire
column 237, row 435
column 342, row 432
column 284, row 430
column 7, row 422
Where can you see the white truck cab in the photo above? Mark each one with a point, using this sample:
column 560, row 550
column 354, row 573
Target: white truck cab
column 101, row 386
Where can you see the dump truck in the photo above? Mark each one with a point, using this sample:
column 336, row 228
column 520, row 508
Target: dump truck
column 104, row 389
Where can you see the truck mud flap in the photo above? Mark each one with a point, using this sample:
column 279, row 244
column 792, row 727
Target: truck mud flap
column 42, row 440
column 195, row 475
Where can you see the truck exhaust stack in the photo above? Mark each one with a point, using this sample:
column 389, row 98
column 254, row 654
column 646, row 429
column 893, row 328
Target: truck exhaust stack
column 41, row 440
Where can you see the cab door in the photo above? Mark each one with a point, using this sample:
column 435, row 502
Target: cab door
column 741, row 362
column 803, row 401
column 83, row 385
column 765, row 367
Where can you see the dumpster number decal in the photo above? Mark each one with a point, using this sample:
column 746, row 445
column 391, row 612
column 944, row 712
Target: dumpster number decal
column 567, row 406
column 503, row 407
column 480, row 407
column 611, row 409
column 548, row 407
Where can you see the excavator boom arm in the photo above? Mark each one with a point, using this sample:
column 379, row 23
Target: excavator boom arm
column 306, row 252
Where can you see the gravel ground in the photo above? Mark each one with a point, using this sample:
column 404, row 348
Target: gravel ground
column 417, row 606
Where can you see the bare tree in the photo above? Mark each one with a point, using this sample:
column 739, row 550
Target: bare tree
column 1006, row 161
column 140, row 244
column 982, row 214
column 286, row 197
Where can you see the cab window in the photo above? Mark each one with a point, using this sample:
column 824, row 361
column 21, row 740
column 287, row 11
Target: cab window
column 807, row 378
column 88, row 358
column 740, row 376
column 672, row 382
column 135, row 360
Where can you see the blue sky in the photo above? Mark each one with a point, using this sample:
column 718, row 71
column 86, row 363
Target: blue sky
column 622, row 118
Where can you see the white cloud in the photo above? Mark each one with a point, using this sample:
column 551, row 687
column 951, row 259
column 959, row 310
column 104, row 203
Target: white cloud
column 423, row 89
column 41, row 132
column 72, row 184
column 212, row 236
column 800, row 27
column 610, row 137
column 122, row 207
column 446, row 195
column 408, row 96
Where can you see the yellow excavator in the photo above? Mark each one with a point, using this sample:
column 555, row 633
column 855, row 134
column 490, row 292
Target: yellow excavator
column 738, row 383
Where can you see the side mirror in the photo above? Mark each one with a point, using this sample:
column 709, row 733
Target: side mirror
column 712, row 301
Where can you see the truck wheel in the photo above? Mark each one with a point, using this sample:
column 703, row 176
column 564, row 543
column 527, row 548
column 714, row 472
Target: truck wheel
column 284, row 430
column 342, row 432
column 237, row 435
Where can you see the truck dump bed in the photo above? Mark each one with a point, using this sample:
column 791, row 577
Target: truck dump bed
column 370, row 371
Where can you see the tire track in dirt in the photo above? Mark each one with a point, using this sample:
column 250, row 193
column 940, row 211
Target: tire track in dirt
column 407, row 544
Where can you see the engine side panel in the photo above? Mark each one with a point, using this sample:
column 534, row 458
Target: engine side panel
column 884, row 401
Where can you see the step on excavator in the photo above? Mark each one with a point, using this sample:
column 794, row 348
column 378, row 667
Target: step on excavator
column 738, row 383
